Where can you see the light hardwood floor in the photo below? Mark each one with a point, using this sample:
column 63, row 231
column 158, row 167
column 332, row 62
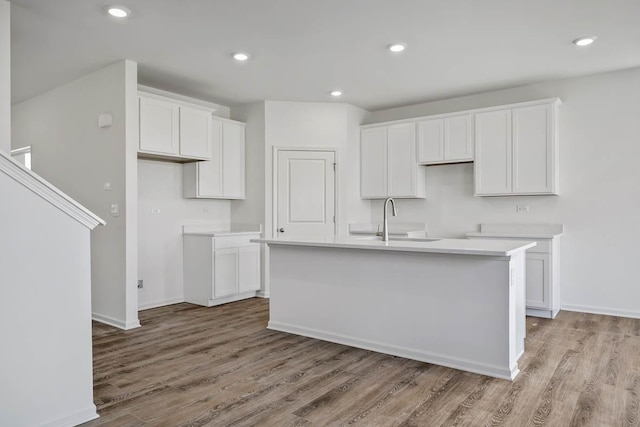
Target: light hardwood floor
column 220, row 366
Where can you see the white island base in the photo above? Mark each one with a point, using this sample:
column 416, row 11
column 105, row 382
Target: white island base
column 450, row 309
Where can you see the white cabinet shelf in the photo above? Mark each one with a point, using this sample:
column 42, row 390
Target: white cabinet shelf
column 446, row 140
column 220, row 269
column 222, row 177
column 516, row 151
column 388, row 164
column 173, row 130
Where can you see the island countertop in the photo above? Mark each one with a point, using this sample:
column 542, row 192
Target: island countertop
column 501, row 248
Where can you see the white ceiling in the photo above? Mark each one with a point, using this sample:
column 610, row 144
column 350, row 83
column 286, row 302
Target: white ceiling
column 303, row 49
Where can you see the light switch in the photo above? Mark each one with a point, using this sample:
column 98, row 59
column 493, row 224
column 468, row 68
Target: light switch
column 115, row 210
column 105, row 120
column 522, row 208
column 107, row 186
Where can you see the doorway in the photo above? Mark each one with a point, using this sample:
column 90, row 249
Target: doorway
column 304, row 193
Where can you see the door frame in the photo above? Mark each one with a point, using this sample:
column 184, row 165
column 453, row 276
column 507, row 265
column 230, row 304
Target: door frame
column 274, row 184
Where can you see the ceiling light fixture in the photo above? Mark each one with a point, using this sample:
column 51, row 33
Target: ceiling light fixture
column 240, row 56
column 118, row 11
column 584, row 41
column 397, row 47
column 336, row 93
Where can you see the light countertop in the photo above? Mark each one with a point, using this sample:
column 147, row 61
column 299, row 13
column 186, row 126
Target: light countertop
column 440, row 246
column 519, row 231
column 218, row 230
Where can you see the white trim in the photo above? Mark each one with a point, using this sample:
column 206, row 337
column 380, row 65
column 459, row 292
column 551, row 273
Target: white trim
column 262, row 294
column 159, row 303
column 23, row 150
column 48, row 192
column 176, row 98
column 117, row 323
column 602, row 310
column 465, row 112
column 409, row 353
column 274, row 184
column 78, row 418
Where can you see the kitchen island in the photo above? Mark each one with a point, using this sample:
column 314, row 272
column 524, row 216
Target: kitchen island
column 452, row 302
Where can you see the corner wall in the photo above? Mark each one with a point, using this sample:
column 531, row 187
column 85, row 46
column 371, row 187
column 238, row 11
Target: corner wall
column 599, row 180
column 70, row 151
column 5, row 76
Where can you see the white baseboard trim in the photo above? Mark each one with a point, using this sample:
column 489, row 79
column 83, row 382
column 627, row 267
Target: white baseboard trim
column 75, row 419
column 262, row 294
column 159, row 303
column 117, row 323
column 602, row 310
column 414, row 354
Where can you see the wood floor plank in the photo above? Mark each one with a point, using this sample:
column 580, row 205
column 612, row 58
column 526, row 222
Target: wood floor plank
column 220, row 366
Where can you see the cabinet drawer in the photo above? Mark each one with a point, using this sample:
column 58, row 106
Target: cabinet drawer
column 234, row 241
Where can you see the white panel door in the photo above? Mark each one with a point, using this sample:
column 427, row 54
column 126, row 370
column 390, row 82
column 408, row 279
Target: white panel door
column 532, row 149
column 225, row 269
column 431, row 141
column 305, row 193
column 493, row 152
column 209, row 173
column 538, row 277
column 233, row 160
column 194, row 133
column 401, row 152
column 249, row 268
column 458, row 137
column 159, row 126
column 373, row 163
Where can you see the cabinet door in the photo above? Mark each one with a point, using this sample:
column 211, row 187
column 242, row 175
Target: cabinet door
column 209, row 173
column 249, row 268
column 431, row 141
column 538, row 280
column 194, row 133
column 159, row 126
column 373, row 163
column 493, row 153
column 533, row 150
column 458, row 138
column 225, row 269
column 402, row 164
column 233, row 160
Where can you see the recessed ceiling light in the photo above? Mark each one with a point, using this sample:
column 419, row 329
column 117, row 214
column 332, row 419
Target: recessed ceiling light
column 240, row 56
column 118, row 11
column 336, row 93
column 584, row 41
column 397, row 47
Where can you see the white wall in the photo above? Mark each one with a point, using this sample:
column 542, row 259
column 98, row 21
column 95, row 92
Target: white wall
column 160, row 235
column 70, row 151
column 599, row 180
column 5, row 76
column 45, row 313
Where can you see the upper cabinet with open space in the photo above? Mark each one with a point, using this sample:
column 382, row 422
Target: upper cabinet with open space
column 173, row 130
column 514, row 149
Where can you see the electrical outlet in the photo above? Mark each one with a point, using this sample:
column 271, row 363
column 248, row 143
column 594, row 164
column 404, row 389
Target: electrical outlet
column 155, row 211
column 140, row 284
column 522, row 208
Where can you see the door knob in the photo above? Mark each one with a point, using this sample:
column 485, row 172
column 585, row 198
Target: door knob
column 281, row 230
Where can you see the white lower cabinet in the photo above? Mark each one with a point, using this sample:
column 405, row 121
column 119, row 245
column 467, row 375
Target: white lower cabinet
column 543, row 277
column 220, row 269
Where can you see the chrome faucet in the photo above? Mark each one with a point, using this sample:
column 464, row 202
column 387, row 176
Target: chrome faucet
column 385, row 225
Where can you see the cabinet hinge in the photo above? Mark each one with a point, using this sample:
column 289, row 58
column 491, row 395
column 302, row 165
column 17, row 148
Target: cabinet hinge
column 334, row 166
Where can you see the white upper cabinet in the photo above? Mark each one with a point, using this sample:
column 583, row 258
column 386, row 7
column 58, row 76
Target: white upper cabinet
column 222, row 177
column 373, row 163
column 159, row 126
column 194, row 133
column 446, row 140
column 170, row 129
column 388, row 162
column 516, row 151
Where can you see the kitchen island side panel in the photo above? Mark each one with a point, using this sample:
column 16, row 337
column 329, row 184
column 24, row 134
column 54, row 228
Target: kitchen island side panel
column 452, row 310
